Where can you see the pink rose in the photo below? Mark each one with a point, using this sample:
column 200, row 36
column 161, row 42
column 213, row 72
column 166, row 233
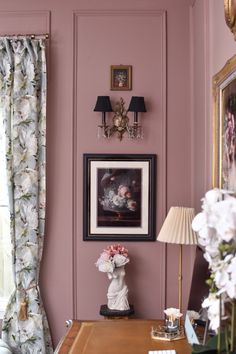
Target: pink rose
column 123, row 190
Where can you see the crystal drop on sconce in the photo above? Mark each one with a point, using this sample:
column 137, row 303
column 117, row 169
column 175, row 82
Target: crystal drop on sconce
column 103, row 132
column 135, row 132
column 99, row 131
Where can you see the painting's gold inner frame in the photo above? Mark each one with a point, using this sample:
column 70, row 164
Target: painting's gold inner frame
column 218, row 121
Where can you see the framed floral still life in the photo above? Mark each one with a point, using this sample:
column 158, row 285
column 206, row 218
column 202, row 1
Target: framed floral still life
column 121, row 77
column 119, row 197
column 224, row 127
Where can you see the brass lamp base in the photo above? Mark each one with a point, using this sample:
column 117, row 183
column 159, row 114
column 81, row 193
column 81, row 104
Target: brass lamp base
column 161, row 333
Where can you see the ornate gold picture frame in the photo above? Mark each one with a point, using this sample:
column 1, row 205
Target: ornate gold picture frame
column 224, row 126
column 230, row 15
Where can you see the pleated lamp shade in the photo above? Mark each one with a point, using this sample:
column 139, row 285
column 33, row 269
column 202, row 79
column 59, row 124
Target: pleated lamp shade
column 177, row 227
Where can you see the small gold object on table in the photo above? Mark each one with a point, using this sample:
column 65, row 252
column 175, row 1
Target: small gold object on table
column 172, row 328
column 161, row 333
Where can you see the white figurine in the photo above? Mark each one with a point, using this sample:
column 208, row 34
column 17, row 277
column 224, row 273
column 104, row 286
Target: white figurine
column 112, row 261
column 117, row 291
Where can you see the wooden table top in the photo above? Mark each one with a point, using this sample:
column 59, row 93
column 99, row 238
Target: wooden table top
column 116, row 337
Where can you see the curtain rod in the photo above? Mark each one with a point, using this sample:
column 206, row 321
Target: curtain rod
column 32, row 36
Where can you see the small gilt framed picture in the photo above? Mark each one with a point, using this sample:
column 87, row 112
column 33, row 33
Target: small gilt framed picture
column 121, row 77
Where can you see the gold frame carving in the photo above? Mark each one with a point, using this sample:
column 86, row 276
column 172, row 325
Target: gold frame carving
column 230, row 15
column 224, row 85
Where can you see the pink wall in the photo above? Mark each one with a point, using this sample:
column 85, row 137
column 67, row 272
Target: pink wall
column 223, row 45
column 130, row 45
column 85, row 39
column 200, row 91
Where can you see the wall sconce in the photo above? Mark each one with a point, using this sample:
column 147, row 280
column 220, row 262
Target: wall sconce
column 136, row 105
column 103, row 105
column 120, row 122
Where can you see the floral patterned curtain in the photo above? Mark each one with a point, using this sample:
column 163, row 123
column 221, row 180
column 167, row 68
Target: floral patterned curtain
column 23, row 100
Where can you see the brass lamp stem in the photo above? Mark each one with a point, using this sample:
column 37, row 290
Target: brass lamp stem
column 180, row 276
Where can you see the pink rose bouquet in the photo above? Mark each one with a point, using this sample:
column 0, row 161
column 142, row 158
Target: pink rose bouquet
column 112, row 257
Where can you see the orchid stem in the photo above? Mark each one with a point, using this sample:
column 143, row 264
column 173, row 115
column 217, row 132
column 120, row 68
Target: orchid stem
column 219, row 332
column 232, row 327
column 226, row 340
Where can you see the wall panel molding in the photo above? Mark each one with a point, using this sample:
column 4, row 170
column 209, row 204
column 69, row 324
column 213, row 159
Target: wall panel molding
column 208, row 95
column 162, row 164
column 200, row 180
column 128, row 13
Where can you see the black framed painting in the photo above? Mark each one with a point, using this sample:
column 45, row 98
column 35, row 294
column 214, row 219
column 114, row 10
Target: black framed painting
column 119, row 197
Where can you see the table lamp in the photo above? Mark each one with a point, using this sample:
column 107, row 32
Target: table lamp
column 177, row 228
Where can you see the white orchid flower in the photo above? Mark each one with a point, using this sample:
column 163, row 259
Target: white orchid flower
column 230, row 287
column 199, row 222
column 216, row 228
column 212, row 303
column 232, row 269
column 213, row 196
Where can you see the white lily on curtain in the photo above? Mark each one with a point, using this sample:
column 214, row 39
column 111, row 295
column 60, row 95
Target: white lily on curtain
column 23, row 99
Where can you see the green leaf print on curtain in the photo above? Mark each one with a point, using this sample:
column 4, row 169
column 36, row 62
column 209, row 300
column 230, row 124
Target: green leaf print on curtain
column 23, row 99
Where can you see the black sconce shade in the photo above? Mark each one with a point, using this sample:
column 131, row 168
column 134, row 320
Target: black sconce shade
column 103, row 104
column 137, row 104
